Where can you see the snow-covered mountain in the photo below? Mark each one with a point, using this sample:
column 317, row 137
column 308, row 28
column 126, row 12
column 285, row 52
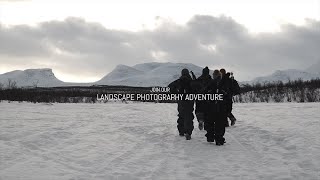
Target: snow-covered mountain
column 315, row 68
column 285, row 76
column 31, row 77
column 147, row 74
column 122, row 72
column 144, row 75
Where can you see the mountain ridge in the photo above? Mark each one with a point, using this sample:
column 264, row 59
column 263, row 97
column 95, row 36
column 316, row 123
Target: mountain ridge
column 43, row 77
column 143, row 74
column 284, row 76
column 148, row 74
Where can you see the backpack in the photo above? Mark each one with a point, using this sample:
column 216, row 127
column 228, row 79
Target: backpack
column 235, row 87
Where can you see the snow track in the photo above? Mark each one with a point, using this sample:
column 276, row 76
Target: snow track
column 140, row 141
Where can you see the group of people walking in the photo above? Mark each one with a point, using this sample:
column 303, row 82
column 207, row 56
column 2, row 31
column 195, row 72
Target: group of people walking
column 212, row 116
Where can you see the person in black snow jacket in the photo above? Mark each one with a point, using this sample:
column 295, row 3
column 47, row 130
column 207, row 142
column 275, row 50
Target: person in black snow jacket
column 202, row 82
column 217, row 111
column 235, row 90
column 228, row 86
column 183, row 85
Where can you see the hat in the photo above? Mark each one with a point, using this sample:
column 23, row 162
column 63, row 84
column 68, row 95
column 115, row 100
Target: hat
column 185, row 72
column 223, row 71
column 216, row 73
column 205, row 70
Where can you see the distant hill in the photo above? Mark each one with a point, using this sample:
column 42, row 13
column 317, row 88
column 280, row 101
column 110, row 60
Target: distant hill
column 285, row 76
column 140, row 75
column 147, row 74
column 144, row 75
column 315, row 68
column 31, row 77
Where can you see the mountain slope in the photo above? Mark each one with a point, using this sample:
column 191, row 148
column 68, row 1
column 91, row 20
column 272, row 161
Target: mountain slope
column 121, row 72
column 148, row 66
column 31, row 77
column 315, row 68
column 147, row 74
column 285, row 76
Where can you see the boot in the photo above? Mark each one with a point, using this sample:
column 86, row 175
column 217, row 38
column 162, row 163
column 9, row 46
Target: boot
column 188, row 136
column 201, row 124
column 233, row 121
column 220, row 142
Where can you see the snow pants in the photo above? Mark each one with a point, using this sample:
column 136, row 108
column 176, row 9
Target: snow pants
column 185, row 117
column 201, row 111
column 229, row 110
column 215, row 124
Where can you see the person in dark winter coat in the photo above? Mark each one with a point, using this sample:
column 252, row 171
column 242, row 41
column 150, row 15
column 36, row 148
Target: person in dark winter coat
column 183, row 85
column 202, row 82
column 235, row 89
column 217, row 111
column 227, row 83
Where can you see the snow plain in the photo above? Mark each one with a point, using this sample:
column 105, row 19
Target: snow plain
column 140, row 141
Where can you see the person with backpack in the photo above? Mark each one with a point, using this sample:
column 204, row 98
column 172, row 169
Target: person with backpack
column 200, row 110
column 183, row 85
column 235, row 90
column 232, row 88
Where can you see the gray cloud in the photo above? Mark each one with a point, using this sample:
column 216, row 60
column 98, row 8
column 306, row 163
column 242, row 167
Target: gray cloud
column 74, row 46
column 13, row 0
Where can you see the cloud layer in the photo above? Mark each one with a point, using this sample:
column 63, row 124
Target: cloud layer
column 86, row 49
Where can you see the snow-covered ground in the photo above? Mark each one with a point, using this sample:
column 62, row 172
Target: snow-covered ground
column 140, row 141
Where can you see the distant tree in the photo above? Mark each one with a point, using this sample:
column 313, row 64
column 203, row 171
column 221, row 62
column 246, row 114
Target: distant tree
column 11, row 84
column 35, row 84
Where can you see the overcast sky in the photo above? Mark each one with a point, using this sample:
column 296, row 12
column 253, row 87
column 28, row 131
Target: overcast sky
column 83, row 41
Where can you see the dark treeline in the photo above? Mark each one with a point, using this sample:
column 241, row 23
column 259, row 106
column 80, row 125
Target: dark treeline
column 292, row 91
column 74, row 94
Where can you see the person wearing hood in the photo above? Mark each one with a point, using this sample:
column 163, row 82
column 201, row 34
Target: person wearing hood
column 183, row 85
column 202, row 82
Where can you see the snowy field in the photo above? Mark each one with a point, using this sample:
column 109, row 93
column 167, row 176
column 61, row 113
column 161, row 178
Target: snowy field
column 140, row 141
